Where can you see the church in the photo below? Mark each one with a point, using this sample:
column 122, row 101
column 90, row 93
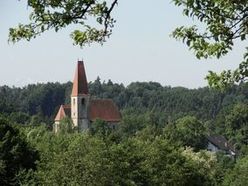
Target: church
column 85, row 108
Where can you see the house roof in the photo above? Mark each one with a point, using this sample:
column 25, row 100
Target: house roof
column 220, row 142
column 104, row 109
column 80, row 85
column 64, row 110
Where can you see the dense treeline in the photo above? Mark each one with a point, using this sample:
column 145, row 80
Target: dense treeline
column 161, row 139
column 40, row 99
column 171, row 103
column 141, row 103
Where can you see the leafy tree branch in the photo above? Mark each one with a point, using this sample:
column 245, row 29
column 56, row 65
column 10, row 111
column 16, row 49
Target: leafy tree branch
column 225, row 21
column 94, row 16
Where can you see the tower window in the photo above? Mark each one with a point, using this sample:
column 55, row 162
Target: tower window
column 74, row 101
column 82, row 101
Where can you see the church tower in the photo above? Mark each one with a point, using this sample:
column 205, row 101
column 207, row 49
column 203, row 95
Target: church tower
column 80, row 99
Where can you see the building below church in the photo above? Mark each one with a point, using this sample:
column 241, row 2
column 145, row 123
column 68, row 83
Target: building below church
column 84, row 108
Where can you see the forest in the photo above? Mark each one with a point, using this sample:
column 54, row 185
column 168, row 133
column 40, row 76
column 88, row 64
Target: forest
column 164, row 133
column 161, row 139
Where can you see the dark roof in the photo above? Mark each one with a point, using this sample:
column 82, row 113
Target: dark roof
column 80, row 85
column 104, row 109
column 220, row 142
column 64, row 110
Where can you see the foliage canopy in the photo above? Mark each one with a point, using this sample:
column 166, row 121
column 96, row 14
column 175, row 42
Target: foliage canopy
column 224, row 22
column 16, row 156
column 93, row 18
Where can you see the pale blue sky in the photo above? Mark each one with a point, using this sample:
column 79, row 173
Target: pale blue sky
column 140, row 49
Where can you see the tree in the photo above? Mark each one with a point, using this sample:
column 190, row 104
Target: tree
column 225, row 21
column 66, row 126
column 235, row 125
column 57, row 14
column 19, row 117
column 188, row 131
column 100, row 127
column 238, row 175
column 16, row 157
column 144, row 159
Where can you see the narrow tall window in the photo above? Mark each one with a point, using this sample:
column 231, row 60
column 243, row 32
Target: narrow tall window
column 74, row 102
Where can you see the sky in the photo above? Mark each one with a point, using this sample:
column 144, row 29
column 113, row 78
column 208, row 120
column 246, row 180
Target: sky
column 140, row 49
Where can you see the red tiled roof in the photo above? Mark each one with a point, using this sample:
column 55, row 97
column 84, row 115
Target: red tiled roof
column 64, row 110
column 80, row 85
column 104, row 109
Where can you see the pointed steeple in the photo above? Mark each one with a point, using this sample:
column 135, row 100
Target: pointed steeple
column 80, row 85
